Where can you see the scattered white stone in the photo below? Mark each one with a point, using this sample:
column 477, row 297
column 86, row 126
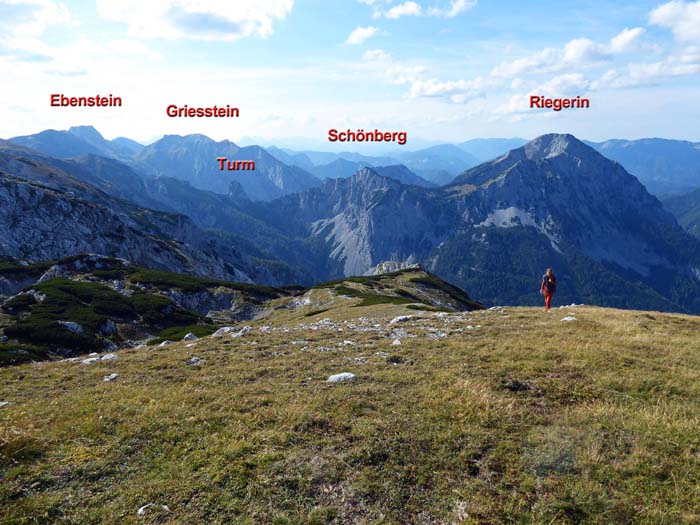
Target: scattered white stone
column 569, row 318
column 195, row 361
column 401, row 319
column 338, row 378
column 4, row 403
column 396, row 342
column 190, row 337
column 190, row 345
column 265, row 328
column 93, row 354
column 108, row 357
column 142, row 510
column 110, row 377
column 89, row 360
column 73, row 327
column 165, row 343
column 223, row 330
column 348, row 343
column 243, row 331
column 382, row 354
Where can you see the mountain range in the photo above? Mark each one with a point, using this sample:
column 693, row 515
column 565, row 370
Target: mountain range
column 553, row 201
column 664, row 166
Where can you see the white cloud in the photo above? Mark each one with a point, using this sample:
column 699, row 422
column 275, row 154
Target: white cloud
column 411, row 8
column 376, row 55
column 625, row 40
column 34, row 17
column 641, row 74
column 682, row 18
column 569, row 84
column 455, row 8
column 405, row 9
column 566, row 85
column 457, row 91
column 577, row 53
column 360, row 34
column 535, row 62
column 196, row 19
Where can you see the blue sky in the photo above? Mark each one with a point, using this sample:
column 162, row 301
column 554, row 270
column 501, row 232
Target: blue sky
column 442, row 70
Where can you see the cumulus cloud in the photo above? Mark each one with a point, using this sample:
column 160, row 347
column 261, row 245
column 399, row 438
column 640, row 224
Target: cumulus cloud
column 576, row 53
column 625, row 40
column 682, row 18
column 405, row 9
column 411, row 8
column 641, row 74
column 457, row 91
column 454, row 9
column 196, row 19
column 376, row 55
column 360, row 34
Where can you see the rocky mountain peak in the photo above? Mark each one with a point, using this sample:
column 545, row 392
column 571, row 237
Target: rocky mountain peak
column 88, row 133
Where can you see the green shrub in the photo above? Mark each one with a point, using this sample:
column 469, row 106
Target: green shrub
column 176, row 333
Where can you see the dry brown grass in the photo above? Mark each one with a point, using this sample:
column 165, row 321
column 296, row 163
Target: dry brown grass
column 526, row 419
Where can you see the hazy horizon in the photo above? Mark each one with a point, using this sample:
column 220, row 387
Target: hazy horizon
column 446, row 71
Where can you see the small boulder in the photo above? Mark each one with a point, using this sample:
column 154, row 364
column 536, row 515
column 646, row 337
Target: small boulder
column 243, row 331
column 396, row 342
column 569, row 318
column 110, row 377
column 339, row 378
column 73, row 327
column 165, row 343
column 90, row 360
column 190, row 337
column 401, row 319
column 4, row 404
column 143, row 510
column 223, row 330
column 108, row 357
column 194, row 361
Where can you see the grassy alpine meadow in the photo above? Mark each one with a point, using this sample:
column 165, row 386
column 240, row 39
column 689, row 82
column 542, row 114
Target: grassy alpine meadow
column 499, row 416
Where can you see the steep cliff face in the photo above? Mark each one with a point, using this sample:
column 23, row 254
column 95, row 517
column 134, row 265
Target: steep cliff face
column 42, row 223
column 366, row 219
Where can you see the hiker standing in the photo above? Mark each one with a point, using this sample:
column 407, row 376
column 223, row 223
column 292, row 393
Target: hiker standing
column 549, row 285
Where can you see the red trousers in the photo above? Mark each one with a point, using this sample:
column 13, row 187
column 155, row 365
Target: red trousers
column 548, row 299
